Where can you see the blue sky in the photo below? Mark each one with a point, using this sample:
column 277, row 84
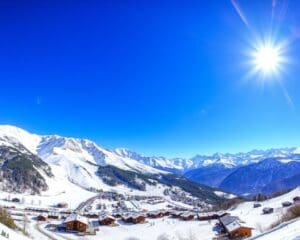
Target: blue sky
column 159, row 78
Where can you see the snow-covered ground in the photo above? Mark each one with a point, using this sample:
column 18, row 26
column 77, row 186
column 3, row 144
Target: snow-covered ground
column 153, row 229
column 253, row 217
column 8, row 234
column 286, row 231
column 69, row 193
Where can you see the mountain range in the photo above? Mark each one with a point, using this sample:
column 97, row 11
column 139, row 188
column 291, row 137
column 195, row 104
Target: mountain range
column 52, row 164
column 53, row 158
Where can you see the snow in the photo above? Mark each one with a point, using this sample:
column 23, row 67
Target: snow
column 18, row 135
column 253, row 217
column 285, row 231
column 73, row 161
column 173, row 228
column 9, row 234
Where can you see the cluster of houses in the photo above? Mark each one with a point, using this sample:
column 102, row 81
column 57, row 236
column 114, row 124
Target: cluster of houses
column 269, row 210
column 230, row 226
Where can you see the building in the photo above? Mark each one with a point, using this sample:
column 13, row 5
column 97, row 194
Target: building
column 105, row 219
column 156, row 214
column 256, row 205
column 268, row 210
column 187, row 216
column 62, row 205
column 296, row 200
column 53, row 215
column 138, row 218
column 75, row 222
column 207, row 216
column 41, row 217
column 210, row 215
column 286, row 204
column 176, row 214
column 133, row 218
column 233, row 227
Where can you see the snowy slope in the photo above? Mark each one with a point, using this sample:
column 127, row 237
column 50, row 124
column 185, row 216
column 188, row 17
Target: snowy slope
column 286, row 231
column 9, row 234
column 253, row 217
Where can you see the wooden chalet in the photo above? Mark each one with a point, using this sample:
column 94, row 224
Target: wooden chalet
column 166, row 212
column 187, row 216
column 296, row 200
column 41, row 218
column 133, row 218
column 105, row 219
column 207, row 216
column 268, row 210
column 53, row 215
column 256, row 205
column 234, row 228
column 286, row 204
column 176, row 214
column 210, row 215
column 156, row 214
column 62, row 205
column 138, row 218
column 75, row 222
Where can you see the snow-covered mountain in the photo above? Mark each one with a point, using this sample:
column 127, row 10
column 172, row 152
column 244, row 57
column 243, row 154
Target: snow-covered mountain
column 78, row 160
column 227, row 160
column 83, row 163
column 172, row 165
column 263, row 177
column 218, row 168
column 75, row 159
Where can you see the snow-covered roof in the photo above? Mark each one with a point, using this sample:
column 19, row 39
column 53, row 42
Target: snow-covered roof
column 187, row 214
column 103, row 216
column 77, row 217
column 233, row 226
column 227, row 219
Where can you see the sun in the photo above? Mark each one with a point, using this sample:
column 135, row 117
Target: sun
column 268, row 58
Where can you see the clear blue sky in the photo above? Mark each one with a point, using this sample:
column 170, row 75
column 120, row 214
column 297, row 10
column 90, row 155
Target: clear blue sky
column 159, row 78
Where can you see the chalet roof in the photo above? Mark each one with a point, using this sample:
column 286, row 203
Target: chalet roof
column 154, row 212
column 103, row 216
column 136, row 215
column 267, row 208
column 76, row 217
column 187, row 214
column 227, row 219
column 233, row 226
